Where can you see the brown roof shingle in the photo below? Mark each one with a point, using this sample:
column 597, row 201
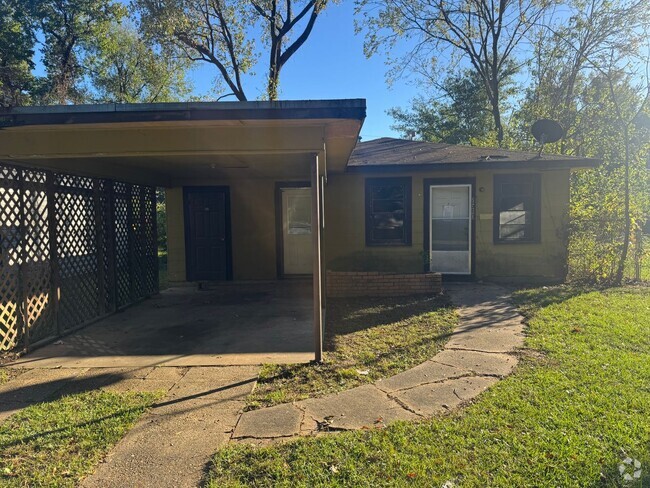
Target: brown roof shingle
column 388, row 151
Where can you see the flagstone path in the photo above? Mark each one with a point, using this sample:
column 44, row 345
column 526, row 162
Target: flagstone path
column 480, row 351
column 202, row 410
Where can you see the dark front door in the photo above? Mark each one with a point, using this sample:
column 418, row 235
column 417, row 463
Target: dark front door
column 207, row 227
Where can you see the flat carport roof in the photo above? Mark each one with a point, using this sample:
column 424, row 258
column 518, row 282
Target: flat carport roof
column 158, row 144
column 165, row 144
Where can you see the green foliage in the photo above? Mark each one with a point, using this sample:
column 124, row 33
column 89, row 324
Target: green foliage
column 228, row 34
column 16, row 52
column 161, row 219
column 125, row 68
column 456, row 116
column 577, row 404
column 69, row 28
column 483, row 38
column 604, row 113
column 214, row 32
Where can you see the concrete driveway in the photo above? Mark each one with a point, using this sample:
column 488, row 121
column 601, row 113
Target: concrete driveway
column 229, row 324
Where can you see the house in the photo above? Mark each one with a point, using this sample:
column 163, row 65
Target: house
column 254, row 191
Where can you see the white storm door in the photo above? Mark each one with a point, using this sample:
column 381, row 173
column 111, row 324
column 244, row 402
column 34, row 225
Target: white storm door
column 450, row 229
column 296, row 231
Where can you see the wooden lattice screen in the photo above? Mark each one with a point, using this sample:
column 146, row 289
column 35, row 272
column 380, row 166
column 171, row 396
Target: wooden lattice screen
column 72, row 249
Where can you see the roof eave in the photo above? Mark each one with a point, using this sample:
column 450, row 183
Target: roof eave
column 202, row 111
column 478, row 165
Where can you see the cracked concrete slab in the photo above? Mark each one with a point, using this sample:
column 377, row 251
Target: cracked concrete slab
column 427, row 372
column 479, row 363
column 172, row 444
column 216, row 383
column 487, row 340
column 170, row 449
column 438, row 398
column 136, row 385
column 473, row 359
column 37, row 385
column 167, row 373
column 358, row 408
column 278, row 421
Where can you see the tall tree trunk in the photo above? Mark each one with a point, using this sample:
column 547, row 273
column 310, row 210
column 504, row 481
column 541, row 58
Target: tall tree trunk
column 620, row 271
column 496, row 111
column 274, row 69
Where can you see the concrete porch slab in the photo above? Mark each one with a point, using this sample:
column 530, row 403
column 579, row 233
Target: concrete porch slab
column 225, row 325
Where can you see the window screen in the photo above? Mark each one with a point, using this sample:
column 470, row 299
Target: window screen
column 517, row 204
column 388, row 211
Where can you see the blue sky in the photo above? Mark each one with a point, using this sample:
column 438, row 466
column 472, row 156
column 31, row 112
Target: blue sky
column 331, row 64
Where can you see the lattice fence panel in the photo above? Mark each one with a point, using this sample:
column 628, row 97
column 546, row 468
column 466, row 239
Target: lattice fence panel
column 72, row 249
column 150, row 236
column 77, row 255
column 122, row 247
column 10, row 319
column 36, row 266
column 105, row 226
column 138, row 255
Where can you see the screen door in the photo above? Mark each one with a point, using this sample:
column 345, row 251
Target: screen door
column 450, row 230
column 296, row 229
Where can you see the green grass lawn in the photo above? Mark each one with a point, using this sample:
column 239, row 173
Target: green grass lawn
column 57, row 443
column 367, row 339
column 578, row 403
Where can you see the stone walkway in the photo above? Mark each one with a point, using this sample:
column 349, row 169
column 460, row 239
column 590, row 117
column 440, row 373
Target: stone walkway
column 479, row 353
column 171, row 445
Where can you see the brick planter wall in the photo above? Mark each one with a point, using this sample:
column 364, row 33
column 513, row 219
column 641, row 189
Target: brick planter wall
column 375, row 284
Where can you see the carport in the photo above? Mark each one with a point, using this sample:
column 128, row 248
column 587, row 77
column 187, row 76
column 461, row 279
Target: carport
column 77, row 200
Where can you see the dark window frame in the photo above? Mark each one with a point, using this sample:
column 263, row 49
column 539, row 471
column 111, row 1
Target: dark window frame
column 371, row 183
column 535, row 180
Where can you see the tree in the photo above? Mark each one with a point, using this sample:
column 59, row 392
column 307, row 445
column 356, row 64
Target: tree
column 481, row 35
column 589, row 73
column 124, row 68
column 223, row 33
column 16, row 52
column 455, row 114
column 280, row 21
column 69, row 27
column 566, row 51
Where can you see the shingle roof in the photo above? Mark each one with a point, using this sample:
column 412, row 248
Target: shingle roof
column 388, row 151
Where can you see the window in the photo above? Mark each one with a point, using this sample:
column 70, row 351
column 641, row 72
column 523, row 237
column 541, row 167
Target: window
column 517, row 204
column 388, row 212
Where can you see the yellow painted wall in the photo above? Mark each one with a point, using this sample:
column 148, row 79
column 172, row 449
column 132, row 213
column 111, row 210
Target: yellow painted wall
column 253, row 229
column 345, row 247
column 175, row 234
column 252, row 209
